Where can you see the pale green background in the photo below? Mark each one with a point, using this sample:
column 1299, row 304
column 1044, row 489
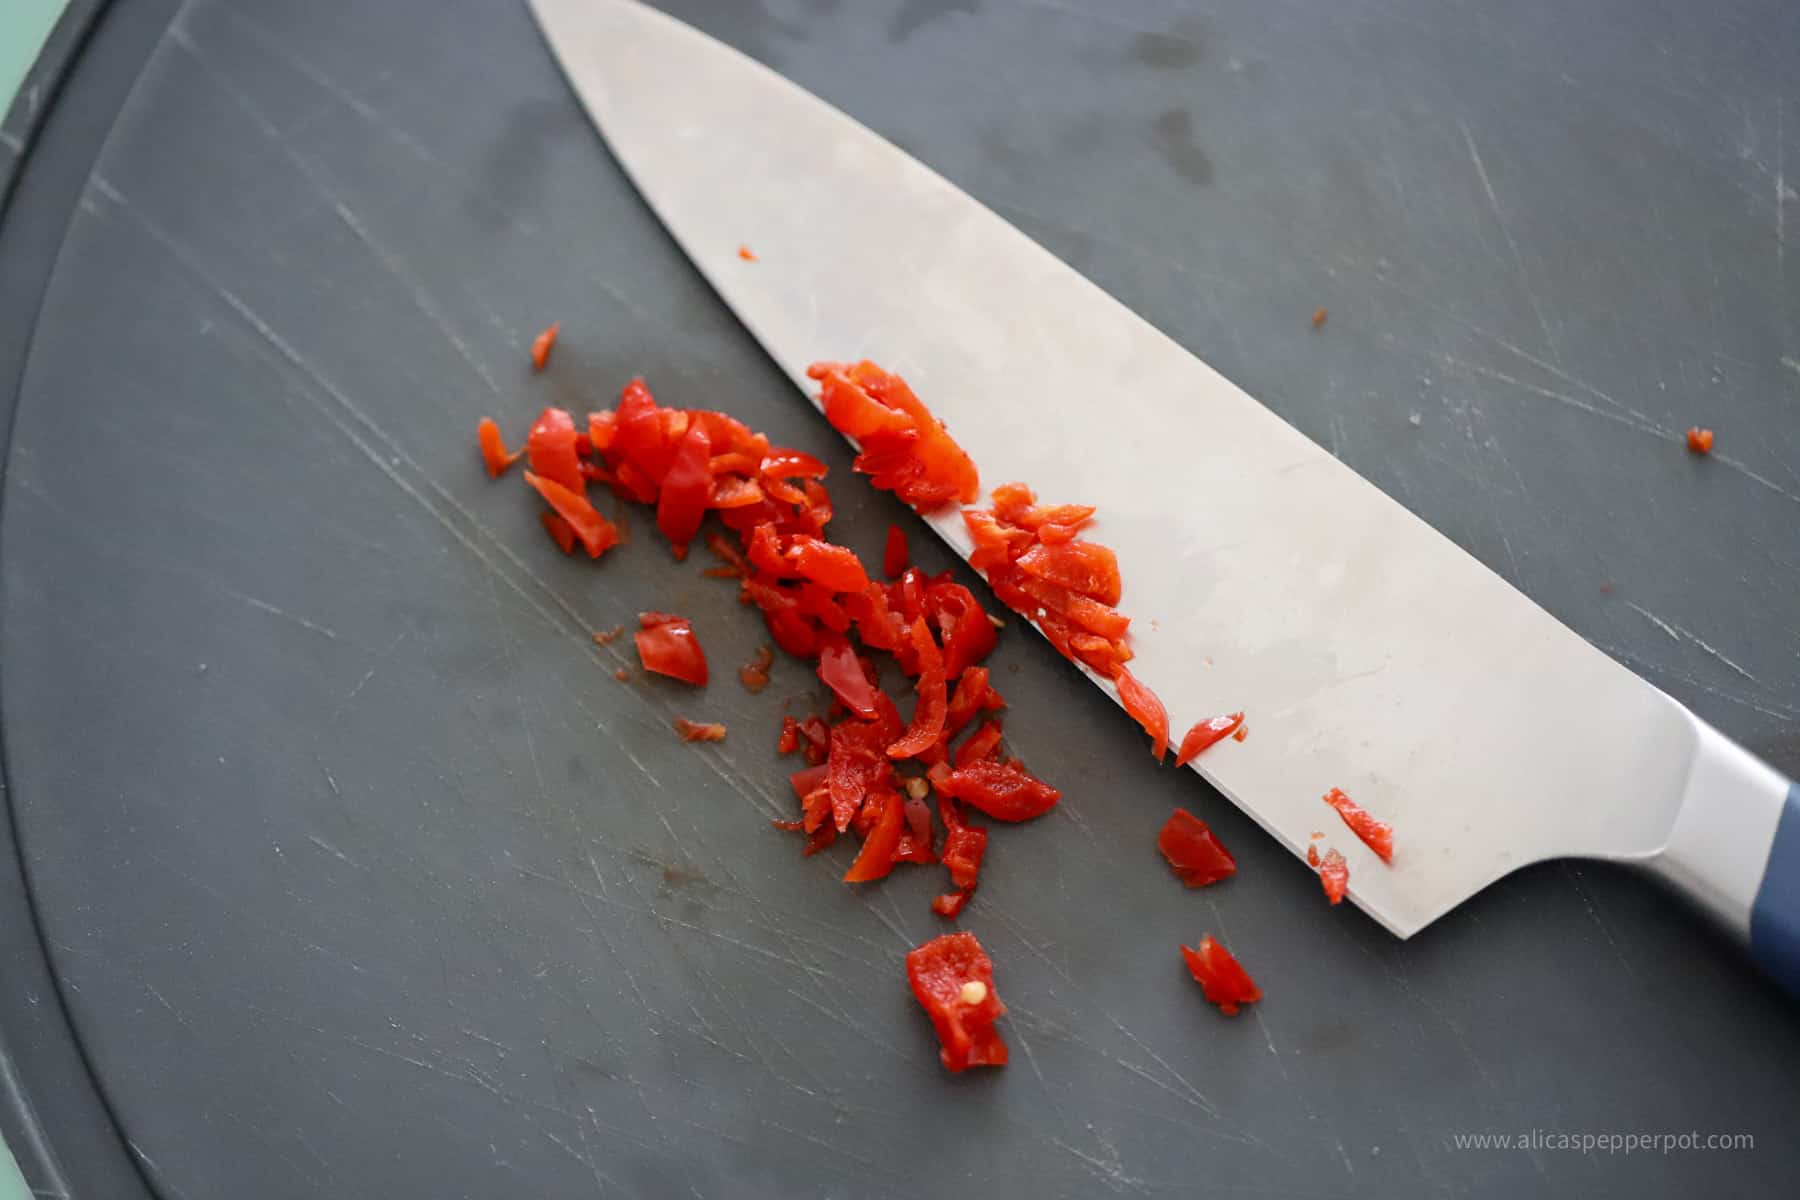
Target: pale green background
column 23, row 24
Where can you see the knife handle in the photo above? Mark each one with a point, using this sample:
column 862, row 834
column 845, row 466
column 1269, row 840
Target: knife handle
column 1735, row 851
column 1775, row 914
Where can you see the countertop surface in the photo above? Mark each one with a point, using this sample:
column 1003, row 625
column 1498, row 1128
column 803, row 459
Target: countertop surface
column 356, row 871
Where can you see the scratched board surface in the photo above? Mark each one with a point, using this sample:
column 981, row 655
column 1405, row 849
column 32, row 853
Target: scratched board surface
column 360, row 874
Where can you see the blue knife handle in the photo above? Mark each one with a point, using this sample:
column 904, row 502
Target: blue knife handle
column 1775, row 913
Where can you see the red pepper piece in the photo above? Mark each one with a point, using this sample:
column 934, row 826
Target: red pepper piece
column 732, row 462
column 915, row 839
column 1205, row 733
column 1700, row 441
column 1376, row 835
column 964, row 848
column 808, row 781
column 597, row 534
column 858, row 767
column 876, row 859
column 541, row 344
column 1194, row 854
column 1146, row 710
column 754, row 675
column 1082, row 611
column 818, row 739
column 982, row 744
column 728, row 554
column 842, row 672
column 695, row 731
column 951, row 904
column 1334, row 875
column 791, row 464
column 953, row 979
column 996, row 543
column 764, row 549
column 876, row 622
column 971, row 696
column 645, row 438
column 493, row 448
column 1084, row 567
column 1224, row 982
column 1003, row 791
column 602, row 428
column 820, row 603
column 790, row 736
column 551, row 449
column 850, row 409
column 967, row 633
column 792, row 632
column 834, row 567
column 560, row 531
column 896, row 555
column 928, row 717
column 669, row 647
column 906, row 450
column 733, row 491
column 815, row 800
column 686, row 488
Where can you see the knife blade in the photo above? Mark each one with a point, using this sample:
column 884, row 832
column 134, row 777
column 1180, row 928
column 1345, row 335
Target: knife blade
column 1370, row 652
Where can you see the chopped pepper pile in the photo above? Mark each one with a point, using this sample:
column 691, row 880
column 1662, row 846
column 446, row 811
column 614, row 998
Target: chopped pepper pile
column 870, row 773
column 818, row 603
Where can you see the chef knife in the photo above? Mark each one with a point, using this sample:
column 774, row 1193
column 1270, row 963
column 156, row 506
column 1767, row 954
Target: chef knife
column 1261, row 574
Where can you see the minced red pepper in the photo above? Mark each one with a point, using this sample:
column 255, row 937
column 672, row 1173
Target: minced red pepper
column 686, row 489
column 953, row 979
column 1002, row 790
column 1700, row 441
column 1334, row 873
column 951, row 904
column 493, row 449
column 551, row 449
column 905, row 449
column 896, row 556
column 695, row 731
column 876, row 858
column 666, row 645
column 540, row 346
column 842, row 671
column 1146, row 710
column 1224, row 982
column 754, row 675
column 1206, row 733
column 1194, row 854
column 560, row 531
column 984, row 743
column 597, row 534
column 1376, row 835
column 816, row 597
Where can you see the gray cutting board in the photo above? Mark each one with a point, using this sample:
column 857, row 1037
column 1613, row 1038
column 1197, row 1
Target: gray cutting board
column 359, row 873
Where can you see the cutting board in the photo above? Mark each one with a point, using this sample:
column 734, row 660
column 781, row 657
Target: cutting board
column 358, row 873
